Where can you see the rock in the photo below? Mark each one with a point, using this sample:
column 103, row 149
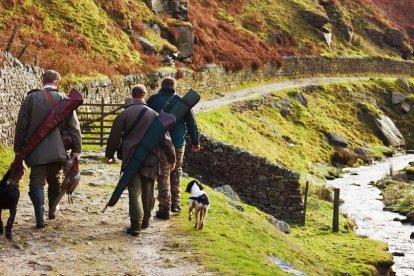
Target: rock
column 148, row 46
column 397, row 98
column 280, row 225
column 403, row 82
column 228, row 191
column 394, row 38
column 286, row 112
column 237, row 206
column 185, row 43
column 158, row 6
column 398, row 254
column 389, row 133
column 343, row 156
column 364, row 154
column 396, row 219
column 300, row 97
column 336, row 140
column 412, row 235
column 87, row 172
column 179, row 9
column 317, row 20
column 410, row 217
column 405, row 107
column 376, row 36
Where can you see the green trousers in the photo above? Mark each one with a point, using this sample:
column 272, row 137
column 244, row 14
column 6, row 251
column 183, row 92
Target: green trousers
column 141, row 200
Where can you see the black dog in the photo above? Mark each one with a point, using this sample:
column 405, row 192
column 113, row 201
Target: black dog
column 9, row 197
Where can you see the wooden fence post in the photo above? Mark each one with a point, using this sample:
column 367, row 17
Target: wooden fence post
column 23, row 50
column 335, row 222
column 305, row 204
column 101, row 142
column 10, row 43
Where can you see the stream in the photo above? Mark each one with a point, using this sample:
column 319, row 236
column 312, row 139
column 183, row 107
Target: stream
column 362, row 202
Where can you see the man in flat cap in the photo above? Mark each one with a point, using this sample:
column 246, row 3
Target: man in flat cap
column 48, row 157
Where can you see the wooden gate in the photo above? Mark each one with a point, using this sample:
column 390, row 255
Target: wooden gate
column 96, row 121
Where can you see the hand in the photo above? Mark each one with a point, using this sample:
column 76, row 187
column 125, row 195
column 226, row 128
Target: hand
column 75, row 155
column 195, row 148
column 109, row 160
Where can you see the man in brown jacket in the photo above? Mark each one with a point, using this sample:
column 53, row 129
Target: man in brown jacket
column 47, row 159
column 131, row 126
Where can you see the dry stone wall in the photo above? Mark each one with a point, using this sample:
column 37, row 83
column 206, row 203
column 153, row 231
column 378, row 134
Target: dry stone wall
column 16, row 79
column 214, row 79
column 271, row 188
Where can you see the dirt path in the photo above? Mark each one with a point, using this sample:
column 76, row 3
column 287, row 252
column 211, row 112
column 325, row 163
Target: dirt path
column 247, row 93
column 83, row 241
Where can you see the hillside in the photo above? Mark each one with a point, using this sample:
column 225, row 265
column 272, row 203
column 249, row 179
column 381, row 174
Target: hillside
column 90, row 37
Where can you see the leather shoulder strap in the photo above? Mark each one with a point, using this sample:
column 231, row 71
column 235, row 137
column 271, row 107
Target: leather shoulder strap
column 49, row 98
column 140, row 115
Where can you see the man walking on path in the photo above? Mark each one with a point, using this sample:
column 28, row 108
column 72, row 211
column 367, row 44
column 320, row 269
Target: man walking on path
column 47, row 159
column 130, row 126
column 169, row 193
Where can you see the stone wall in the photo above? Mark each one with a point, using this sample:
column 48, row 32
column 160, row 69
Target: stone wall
column 271, row 188
column 214, row 79
column 16, row 79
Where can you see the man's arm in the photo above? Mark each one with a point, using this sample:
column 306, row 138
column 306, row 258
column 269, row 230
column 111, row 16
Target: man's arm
column 168, row 148
column 115, row 136
column 191, row 124
column 22, row 125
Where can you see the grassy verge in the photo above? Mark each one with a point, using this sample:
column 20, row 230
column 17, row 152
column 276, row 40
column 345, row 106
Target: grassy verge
column 240, row 243
column 398, row 196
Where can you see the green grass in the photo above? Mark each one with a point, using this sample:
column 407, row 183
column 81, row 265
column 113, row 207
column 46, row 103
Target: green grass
column 239, row 243
column 398, row 196
column 6, row 158
column 299, row 141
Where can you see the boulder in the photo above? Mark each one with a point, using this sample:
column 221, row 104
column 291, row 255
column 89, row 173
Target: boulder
column 403, row 82
column 343, row 156
column 376, row 36
column 388, row 132
column 280, row 225
column 317, row 20
column 147, row 45
column 410, row 217
column 364, row 154
column 228, row 191
column 394, row 38
column 337, row 140
column 179, row 9
column 300, row 97
column 286, row 112
column 158, row 6
column 397, row 98
column 185, row 43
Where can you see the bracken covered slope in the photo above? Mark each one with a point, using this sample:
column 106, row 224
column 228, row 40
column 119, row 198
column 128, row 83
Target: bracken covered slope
column 89, row 37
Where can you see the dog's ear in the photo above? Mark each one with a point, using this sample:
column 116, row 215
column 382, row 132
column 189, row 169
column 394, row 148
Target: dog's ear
column 199, row 185
column 189, row 185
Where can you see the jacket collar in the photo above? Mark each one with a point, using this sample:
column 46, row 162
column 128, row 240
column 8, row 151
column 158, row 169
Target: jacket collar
column 169, row 91
column 136, row 102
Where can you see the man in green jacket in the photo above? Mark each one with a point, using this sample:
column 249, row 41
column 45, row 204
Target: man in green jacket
column 48, row 157
column 131, row 126
column 169, row 193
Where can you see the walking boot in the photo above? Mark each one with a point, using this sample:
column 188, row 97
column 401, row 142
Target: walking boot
column 37, row 197
column 176, row 208
column 52, row 194
column 161, row 214
column 133, row 230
